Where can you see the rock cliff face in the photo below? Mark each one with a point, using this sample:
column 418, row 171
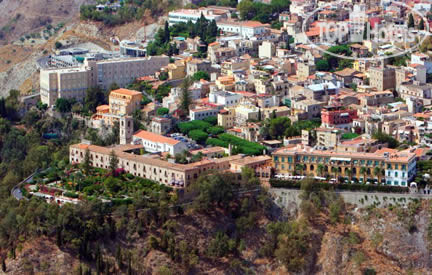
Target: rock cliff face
column 388, row 241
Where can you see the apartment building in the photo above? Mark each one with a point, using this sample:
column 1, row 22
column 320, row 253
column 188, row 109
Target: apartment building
column 229, row 67
column 382, row 78
column 376, row 98
column 123, row 71
column 337, row 117
column 73, row 82
column 391, row 168
column 202, row 113
column 266, row 50
column 305, row 69
column 196, row 65
column 227, row 99
column 308, row 108
column 124, row 102
column 327, row 138
column 155, row 143
column 226, row 118
column 63, row 83
column 417, row 91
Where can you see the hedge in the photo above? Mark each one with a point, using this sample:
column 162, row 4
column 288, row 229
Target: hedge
column 186, row 127
column 243, row 146
column 70, row 195
column 275, row 183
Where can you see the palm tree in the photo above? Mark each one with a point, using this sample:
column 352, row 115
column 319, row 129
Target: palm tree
column 300, row 167
column 335, row 171
column 377, row 173
column 363, row 171
column 320, row 169
column 348, row 172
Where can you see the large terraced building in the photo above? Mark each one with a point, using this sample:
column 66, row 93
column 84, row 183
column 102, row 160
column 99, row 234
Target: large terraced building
column 386, row 165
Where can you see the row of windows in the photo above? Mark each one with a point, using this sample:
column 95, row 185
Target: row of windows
column 402, row 183
column 327, row 160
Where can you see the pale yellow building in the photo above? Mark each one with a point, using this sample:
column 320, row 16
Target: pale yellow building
column 124, row 101
column 176, row 70
column 226, row 83
column 226, row 118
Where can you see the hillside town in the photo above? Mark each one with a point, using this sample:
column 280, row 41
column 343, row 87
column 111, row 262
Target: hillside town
column 213, row 92
column 215, row 137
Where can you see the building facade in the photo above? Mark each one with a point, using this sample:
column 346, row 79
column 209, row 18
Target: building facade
column 396, row 169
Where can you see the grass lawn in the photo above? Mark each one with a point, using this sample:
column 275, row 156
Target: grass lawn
column 349, row 135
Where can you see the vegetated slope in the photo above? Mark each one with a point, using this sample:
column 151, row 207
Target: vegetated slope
column 20, row 17
column 326, row 237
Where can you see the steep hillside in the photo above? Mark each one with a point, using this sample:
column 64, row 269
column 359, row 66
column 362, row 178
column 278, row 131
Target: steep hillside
column 21, row 17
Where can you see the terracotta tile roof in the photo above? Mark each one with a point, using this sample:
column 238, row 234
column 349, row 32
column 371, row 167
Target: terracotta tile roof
column 102, row 108
column 155, row 137
column 123, row 91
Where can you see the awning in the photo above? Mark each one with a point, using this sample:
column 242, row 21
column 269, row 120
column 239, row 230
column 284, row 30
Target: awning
column 340, row 159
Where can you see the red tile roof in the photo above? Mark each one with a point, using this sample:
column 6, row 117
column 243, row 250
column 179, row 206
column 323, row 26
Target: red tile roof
column 155, row 137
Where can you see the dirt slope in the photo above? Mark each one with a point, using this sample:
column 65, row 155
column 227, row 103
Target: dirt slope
column 20, row 17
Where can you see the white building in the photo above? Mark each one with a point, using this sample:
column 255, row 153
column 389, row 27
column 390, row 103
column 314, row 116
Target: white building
column 422, row 59
column 185, row 15
column 202, row 113
column 154, row 143
column 246, row 29
column 224, row 98
column 266, row 50
column 400, row 174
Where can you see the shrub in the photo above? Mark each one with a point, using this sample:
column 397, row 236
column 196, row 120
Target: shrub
column 70, row 195
column 275, row 183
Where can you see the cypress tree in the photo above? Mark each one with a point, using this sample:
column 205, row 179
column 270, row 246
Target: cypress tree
column 411, row 21
column 3, row 265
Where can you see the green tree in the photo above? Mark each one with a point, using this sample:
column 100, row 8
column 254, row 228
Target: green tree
column 113, row 161
column 320, row 169
column 198, row 135
column 322, row 65
column 113, row 86
column 201, row 75
column 411, row 23
column 335, row 172
column 363, row 171
column 246, row 9
column 63, row 105
column 185, row 98
column 166, row 32
column 162, row 111
column 58, row 45
column 421, row 24
column 299, row 168
column 86, row 163
column 385, row 138
column 277, row 127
